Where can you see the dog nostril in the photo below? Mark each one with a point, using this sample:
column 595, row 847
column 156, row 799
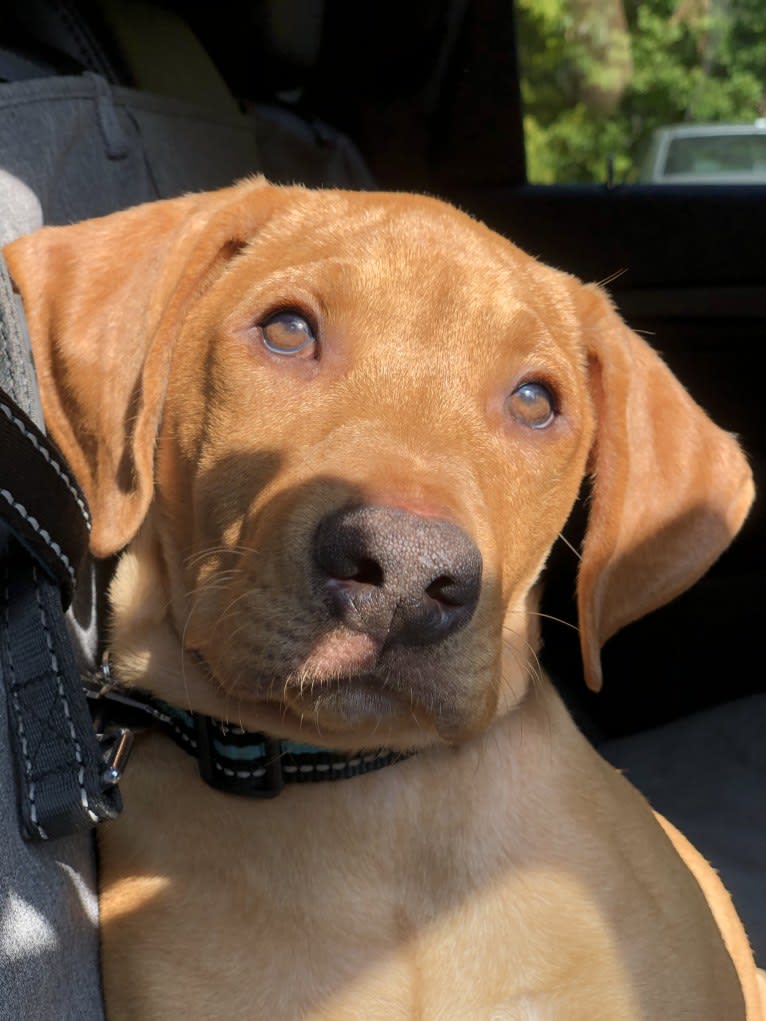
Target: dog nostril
column 368, row 572
column 443, row 590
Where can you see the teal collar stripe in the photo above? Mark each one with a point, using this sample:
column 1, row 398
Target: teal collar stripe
column 253, row 749
column 254, row 765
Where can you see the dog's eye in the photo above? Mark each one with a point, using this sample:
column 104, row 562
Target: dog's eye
column 288, row 333
column 532, row 404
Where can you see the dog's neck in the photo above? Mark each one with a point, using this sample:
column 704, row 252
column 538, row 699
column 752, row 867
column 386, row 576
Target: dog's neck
column 229, row 758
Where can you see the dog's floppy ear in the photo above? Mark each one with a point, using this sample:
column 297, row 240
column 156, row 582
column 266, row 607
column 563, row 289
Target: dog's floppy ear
column 670, row 489
column 104, row 299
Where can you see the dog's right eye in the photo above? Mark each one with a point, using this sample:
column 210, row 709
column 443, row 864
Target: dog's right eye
column 288, row 333
column 532, row 404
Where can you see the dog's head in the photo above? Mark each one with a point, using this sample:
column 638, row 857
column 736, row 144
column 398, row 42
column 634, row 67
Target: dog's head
column 339, row 433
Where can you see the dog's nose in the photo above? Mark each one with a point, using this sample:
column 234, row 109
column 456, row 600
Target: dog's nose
column 396, row 575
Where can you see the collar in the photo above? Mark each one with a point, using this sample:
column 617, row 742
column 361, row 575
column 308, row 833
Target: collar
column 230, row 759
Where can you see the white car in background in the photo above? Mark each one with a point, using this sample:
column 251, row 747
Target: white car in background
column 706, row 154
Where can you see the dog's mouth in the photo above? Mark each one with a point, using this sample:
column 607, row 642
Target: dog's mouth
column 361, row 712
column 345, row 682
column 349, row 703
column 348, row 687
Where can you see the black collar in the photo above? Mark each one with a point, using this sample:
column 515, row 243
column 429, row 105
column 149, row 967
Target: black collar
column 229, row 758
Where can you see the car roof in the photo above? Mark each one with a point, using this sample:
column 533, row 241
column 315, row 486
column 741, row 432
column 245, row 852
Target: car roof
column 696, row 130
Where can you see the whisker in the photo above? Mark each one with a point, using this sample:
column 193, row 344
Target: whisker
column 212, row 584
column 227, row 611
column 612, row 277
column 184, row 680
column 246, row 622
column 569, row 545
column 546, row 616
column 220, row 575
column 316, row 720
column 535, row 668
column 212, row 551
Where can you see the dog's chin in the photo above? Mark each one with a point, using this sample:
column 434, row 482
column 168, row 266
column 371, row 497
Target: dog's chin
column 360, row 713
column 346, row 692
column 360, row 705
column 370, row 706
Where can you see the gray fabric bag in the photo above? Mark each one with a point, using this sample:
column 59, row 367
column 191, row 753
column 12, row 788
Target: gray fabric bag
column 72, row 148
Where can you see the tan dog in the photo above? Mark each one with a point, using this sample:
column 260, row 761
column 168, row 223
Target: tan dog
column 339, row 433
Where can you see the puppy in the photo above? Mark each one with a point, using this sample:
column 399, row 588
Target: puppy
column 336, row 435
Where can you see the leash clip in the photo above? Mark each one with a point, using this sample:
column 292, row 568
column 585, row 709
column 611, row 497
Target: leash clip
column 115, row 739
column 116, row 744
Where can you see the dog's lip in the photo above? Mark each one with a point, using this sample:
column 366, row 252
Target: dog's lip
column 347, row 703
column 342, row 653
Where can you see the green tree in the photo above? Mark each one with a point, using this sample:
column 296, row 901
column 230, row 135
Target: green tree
column 598, row 76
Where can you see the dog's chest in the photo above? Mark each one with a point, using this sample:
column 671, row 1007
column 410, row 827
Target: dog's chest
column 316, row 907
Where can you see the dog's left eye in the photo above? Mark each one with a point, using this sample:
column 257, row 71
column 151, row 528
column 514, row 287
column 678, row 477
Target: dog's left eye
column 532, row 404
column 288, row 333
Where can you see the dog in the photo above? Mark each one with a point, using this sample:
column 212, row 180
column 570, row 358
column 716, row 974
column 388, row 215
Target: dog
column 334, row 436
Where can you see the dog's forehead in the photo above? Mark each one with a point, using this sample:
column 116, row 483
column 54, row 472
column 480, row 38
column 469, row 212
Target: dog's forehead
column 395, row 232
column 399, row 258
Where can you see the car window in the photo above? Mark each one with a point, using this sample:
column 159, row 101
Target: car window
column 611, row 87
column 710, row 155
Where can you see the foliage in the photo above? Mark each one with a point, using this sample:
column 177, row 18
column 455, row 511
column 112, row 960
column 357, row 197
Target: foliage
column 599, row 75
